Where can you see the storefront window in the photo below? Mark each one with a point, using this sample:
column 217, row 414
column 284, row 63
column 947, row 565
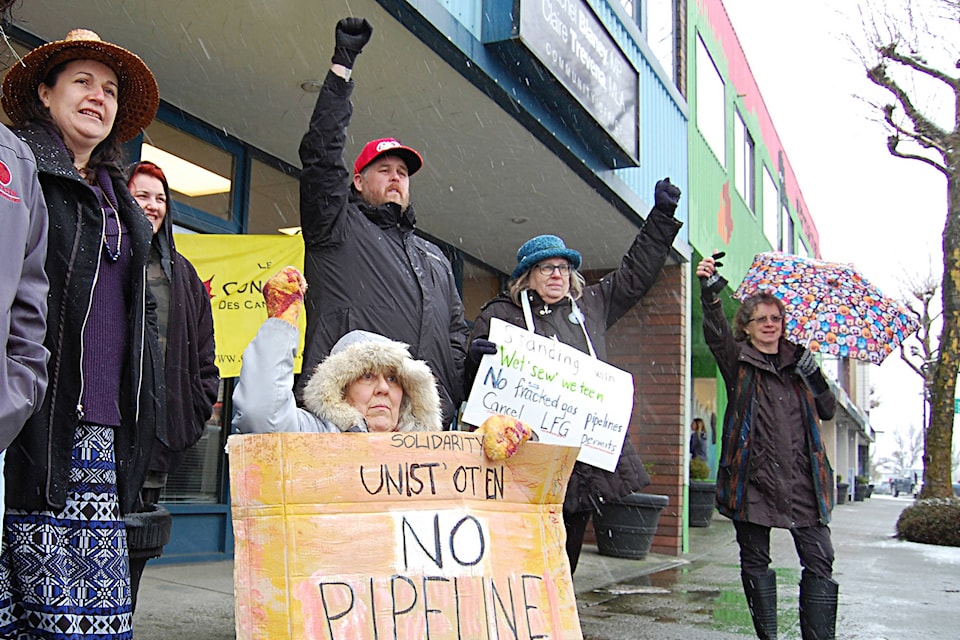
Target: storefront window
column 198, row 478
column 200, row 174
column 274, row 200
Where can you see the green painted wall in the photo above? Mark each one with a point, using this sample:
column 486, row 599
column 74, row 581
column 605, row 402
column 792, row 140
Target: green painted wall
column 719, row 218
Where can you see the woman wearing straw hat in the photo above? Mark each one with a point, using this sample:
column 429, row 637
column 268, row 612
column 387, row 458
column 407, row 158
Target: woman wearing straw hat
column 79, row 462
column 548, row 295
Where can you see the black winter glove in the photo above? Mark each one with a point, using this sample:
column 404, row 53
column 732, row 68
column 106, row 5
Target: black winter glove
column 351, row 35
column 666, row 196
column 711, row 287
column 479, row 348
column 810, row 371
column 807, row 366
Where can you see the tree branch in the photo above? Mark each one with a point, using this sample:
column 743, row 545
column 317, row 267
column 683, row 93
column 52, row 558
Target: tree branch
column 924, row 129
column 916, row 136
column 916, row 369
column 891, row 53
column 892, row 142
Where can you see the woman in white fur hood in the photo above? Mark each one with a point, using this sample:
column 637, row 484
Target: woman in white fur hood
column 367, row 383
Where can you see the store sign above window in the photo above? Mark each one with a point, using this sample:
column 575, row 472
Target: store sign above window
column 563, row 41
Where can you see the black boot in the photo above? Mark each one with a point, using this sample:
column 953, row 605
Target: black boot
column 818, row 608
column 761, row 592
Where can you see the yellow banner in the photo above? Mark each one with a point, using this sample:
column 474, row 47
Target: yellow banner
column 414, row 536
column 234, row 268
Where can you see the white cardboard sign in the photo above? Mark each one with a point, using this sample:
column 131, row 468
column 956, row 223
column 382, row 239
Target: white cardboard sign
column 565, row 395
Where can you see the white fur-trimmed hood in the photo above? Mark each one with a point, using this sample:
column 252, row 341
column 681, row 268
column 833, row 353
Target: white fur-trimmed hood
column 359, row 352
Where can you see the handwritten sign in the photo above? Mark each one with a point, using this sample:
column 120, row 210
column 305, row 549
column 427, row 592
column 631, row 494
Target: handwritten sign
column 564, row 394
column 413, row 536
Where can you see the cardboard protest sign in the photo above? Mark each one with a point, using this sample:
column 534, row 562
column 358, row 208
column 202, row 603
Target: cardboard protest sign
column 565, row 395
column 412, row 536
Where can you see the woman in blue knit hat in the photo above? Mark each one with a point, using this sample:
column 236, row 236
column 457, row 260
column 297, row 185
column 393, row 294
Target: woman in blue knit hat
column 548, row 295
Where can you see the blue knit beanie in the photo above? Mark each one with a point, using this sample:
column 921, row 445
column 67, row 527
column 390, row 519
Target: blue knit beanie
column 541, row 248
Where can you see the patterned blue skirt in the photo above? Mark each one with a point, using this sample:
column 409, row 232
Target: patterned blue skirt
column 65, row 575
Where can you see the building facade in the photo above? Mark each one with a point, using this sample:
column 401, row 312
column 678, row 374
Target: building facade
column 745, row 199
column 553, row 118
column 546, row 116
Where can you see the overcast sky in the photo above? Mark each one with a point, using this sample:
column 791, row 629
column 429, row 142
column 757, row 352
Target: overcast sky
column 883, row 214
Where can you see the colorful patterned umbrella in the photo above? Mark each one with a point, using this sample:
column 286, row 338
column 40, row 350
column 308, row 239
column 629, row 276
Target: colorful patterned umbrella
column 831, row 307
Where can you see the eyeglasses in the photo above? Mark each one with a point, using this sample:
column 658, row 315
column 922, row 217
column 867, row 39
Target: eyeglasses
column 766, row 319
column 548, row 269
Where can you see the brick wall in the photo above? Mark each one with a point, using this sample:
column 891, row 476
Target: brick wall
column 649, row 342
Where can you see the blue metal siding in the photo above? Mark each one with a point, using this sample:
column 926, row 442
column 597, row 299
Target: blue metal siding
column 663, row 113
column 469, row 13
column 663, row 144
column 201, row 532
column 457, row 37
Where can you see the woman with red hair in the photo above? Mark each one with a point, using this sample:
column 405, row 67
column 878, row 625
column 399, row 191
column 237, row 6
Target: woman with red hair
column 185, row 328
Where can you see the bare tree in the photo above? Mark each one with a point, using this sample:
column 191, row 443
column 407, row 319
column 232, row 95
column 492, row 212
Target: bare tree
column 909, row 450
column 921, row 351
column 906, row 41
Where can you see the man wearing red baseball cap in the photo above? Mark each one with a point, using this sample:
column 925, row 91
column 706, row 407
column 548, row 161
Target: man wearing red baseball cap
column 364, row 265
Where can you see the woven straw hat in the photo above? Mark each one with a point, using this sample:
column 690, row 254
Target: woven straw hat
column 139, row 96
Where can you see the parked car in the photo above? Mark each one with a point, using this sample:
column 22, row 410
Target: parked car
column 903, row 485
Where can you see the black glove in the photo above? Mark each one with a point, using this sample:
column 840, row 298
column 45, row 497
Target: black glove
column 810, row 371
column 479, row 348
column 666, row 196
column 806, row 365
column 715, row 283
column 351, row 35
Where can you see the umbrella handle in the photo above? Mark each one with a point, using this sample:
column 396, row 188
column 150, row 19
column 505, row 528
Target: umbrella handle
column 809, row 334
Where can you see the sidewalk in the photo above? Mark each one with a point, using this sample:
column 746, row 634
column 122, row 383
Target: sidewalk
column 889, row 590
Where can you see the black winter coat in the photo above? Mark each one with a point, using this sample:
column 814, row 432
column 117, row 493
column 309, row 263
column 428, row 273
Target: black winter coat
column 38, row 462
column 365, row 267
column 602, row 304
column 189, row 363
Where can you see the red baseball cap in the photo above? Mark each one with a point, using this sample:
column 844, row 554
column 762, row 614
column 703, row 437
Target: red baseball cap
column 388, row 146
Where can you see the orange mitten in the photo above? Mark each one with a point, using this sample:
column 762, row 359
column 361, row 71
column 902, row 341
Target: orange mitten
column 503, row 435
column 283, row 294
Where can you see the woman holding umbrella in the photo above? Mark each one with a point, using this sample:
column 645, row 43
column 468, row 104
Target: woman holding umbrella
column 773, row 469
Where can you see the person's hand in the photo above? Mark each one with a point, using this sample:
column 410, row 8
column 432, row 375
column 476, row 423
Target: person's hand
column 283, row 293
column 479, row 348
column 351, row 35
column 807, row 365
column 711, row 282
column 666, row 196
column 503, row 435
